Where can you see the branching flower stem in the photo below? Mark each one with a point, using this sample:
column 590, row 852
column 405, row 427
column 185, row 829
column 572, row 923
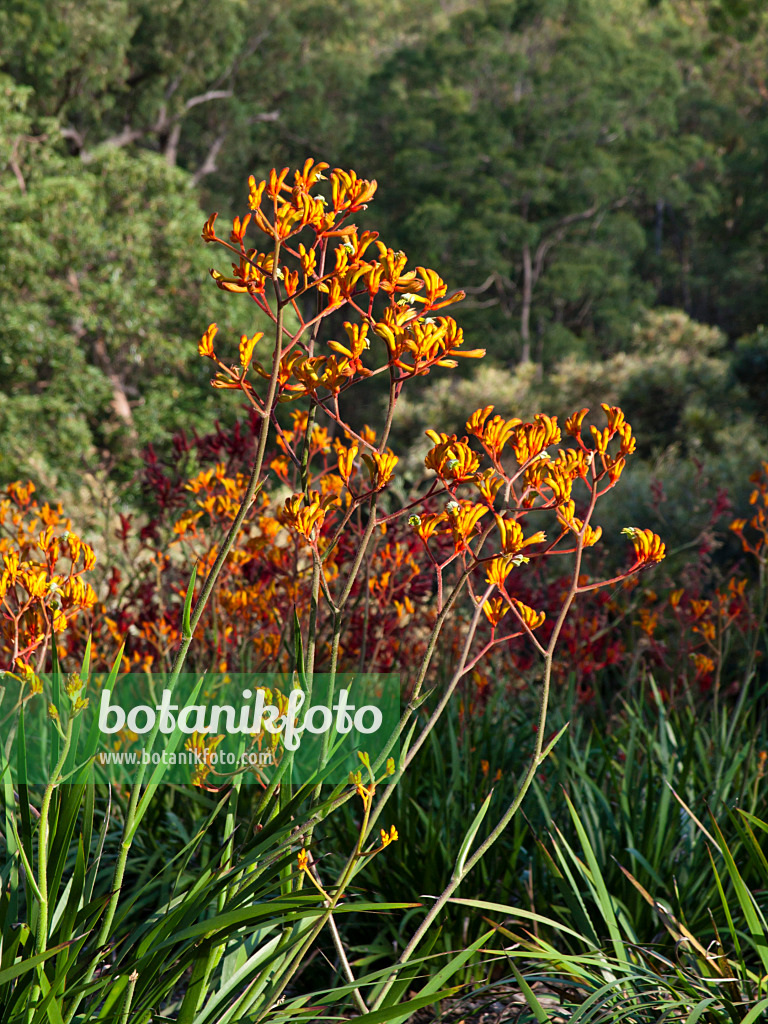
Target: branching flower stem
column 536, row 758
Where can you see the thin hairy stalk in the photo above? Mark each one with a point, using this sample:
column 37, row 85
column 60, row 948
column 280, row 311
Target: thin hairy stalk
column 317, row 568
column 331, row 905
column 525, row 784
column 126, row 1011
column 345, row 965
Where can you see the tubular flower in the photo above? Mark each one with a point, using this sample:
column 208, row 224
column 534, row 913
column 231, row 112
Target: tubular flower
column 306, row 518
column 531, row 439
column 302, row 860
column 498, row 570
column 495, row 433
column 628, row 442
column 616, row 425
column 346, row 459
column 702, row 665
column 462, row 524
column 566, row 516
column 615, row 417
column 602, row 438
column 615, row 467
column 358, row 343
column 205, row 348
column 381, row 466
column 393, row 277
column 511, row 536
column 388, row 837
column 209, row 231
column 495, row 610
column 649, row 547
column 550, row 479
column 573, row 462
column 237, row 234
column 426, row 525
column 531, row 618
column 432, row 342
column 247, row 346
column 574, row 422
column 477, row 419
column 489, row 484
column 308, row 260
column 349, row 192
column 310, row 174
column 451, row 459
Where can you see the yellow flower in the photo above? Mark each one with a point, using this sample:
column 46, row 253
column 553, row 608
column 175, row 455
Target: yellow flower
column 531, row 439
column 498, row 570
column 247, row 346
column 649, row 547
column 205, row 348
column 381, row 466
column 531, row 618
column 574, row 422
column 511, row 536
column 451, row 459
column 494, row 610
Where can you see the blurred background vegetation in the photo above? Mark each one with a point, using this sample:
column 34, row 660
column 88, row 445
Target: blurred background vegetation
column 591, row 172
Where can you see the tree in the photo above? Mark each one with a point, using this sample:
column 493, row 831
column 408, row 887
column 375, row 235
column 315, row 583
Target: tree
column 102, row 269
column 532, row 138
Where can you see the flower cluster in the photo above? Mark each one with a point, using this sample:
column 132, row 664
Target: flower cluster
column 42, row 589
column 333, row 266
column 756, row 543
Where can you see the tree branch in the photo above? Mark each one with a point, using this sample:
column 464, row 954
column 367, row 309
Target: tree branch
column 207, row 97
column 208, row 166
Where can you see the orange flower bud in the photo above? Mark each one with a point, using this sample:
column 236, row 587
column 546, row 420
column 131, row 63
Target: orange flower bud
column 205, row 348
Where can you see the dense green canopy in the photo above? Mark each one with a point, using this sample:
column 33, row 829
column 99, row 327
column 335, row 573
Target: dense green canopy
column 571, row 164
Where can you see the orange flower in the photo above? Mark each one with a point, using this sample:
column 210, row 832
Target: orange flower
column 649, row 547
column 306, row 519
column 205, row 348
column 702, row 664
column 247, row 346
column 495, row 610
column 531, row 618
column 462, row 522
column 531, row 439
column 451, row 459
column 574, row 422
column 346, row 459
column 426, row 525
column 209, row 232
column 381, row 466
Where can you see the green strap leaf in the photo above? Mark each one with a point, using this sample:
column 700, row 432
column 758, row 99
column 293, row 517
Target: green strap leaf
column 186, row 619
